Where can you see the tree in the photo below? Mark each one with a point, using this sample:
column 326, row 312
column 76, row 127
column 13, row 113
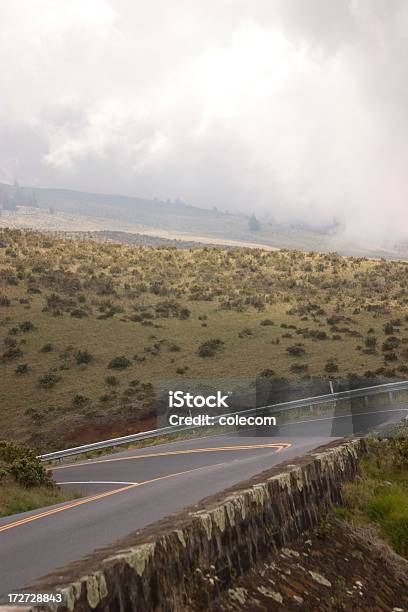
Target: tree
column 253, row 224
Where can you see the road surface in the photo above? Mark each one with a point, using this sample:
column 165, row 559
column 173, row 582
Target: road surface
column 129, row 490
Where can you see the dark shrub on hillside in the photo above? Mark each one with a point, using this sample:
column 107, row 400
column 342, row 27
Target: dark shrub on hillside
column 331, row 366
column 12, row 353
column 83, row 357
column 47, row 348
column 210, row 347
column 49, row 380
column 390, row 343
column 296, row 350
column 174, row 348
column 79, row 313
column 22, row 368
column 171, row 308
column 26, row 326
column 119, row 363
column 267, row 373
column 298, row 368
column 371, row 341
column 79, row 400
column 388, row 328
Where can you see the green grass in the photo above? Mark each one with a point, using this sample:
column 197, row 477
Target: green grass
column 380, row 495
column 15, row 498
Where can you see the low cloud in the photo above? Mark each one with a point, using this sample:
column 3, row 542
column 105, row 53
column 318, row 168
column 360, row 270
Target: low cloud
column 293, row 110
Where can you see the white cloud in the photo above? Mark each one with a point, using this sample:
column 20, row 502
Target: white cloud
column 293, row 109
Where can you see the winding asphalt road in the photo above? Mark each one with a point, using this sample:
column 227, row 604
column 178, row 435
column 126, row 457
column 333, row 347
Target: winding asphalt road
column 129, row 490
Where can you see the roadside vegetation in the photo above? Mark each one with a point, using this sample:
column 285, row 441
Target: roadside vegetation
column 24, row 482
column 379, row 495
column 88, row 328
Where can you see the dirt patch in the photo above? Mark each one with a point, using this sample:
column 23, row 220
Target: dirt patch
column 104, row 427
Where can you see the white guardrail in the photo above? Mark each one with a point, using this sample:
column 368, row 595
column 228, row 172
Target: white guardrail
column 164, row 431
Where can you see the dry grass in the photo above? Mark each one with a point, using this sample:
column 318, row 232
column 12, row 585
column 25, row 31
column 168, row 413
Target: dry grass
column 229, row 295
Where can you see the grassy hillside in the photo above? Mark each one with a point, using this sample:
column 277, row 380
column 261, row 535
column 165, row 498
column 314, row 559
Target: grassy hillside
column 88, row 328
column 76, row 210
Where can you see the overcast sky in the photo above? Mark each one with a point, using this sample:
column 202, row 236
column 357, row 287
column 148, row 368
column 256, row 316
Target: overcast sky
column 292, row 108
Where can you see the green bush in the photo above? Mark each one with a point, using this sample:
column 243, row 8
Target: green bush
column 21, row 464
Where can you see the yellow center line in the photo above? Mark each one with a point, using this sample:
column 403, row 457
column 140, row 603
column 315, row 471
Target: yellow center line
column 279, row 447
column 87, row 500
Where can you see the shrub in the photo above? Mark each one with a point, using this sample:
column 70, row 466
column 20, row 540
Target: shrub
column 174, row 348
column 296, row 350
column 26, row 326
column 371, row 341
column 11, row 354
column 298, row 368
column 83, row 357
column 22, row 368
column 390, row 343
column 119, row 363
column 111, row 381
column 22, row 465
column 267, row 322
column 79, row 400
column 247, row 331
column 47, row 348
column 4, row 301
column 79, row 313
column 388, row 328
column 49, row 380
column 331, row 366
column 171, row 308
column 267, row 373
column 210, row 347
